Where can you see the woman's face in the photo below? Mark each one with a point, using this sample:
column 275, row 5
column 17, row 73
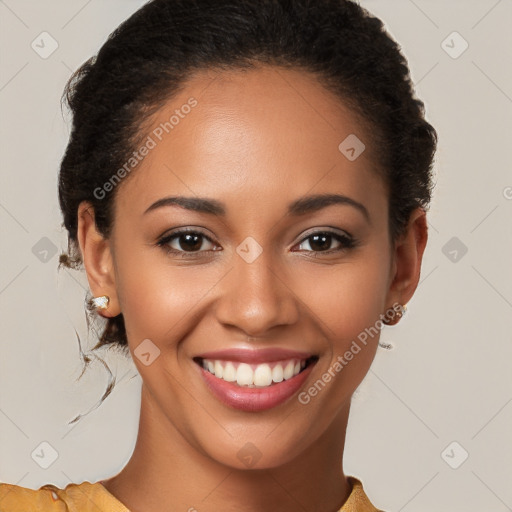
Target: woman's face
column 265, row 264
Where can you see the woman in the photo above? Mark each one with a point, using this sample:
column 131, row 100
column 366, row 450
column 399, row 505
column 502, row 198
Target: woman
column 246, row 184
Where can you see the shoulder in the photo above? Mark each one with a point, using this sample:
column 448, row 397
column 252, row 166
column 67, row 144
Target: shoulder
column 50, row 498
column 14, row 498
column 358, row 501
column 84, row 497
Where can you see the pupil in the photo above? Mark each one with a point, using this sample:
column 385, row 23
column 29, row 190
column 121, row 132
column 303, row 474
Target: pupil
column 192, row 241
column 319, row 245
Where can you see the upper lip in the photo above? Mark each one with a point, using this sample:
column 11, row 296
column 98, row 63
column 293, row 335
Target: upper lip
column 255, row 356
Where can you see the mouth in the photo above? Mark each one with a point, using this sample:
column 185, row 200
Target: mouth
column 254, row 386
column 261, row 375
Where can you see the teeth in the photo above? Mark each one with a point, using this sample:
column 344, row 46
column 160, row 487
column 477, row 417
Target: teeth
column 277, row 373
column 229, row 373
column 218, row 369
column 262, row 375
column 255, row 375
column 288, row 371
column 244, row 375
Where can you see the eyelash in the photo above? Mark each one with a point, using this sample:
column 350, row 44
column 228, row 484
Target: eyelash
column 347, row 242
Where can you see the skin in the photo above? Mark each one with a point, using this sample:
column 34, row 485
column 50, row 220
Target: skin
column 256, row 141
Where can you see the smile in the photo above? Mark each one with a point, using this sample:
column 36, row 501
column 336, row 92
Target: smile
column 255, row 375
column 254, row 386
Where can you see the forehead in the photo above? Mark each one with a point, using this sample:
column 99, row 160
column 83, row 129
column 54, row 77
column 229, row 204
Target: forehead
column 256, row 133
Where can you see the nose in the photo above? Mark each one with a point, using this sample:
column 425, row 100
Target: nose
column 256, row 297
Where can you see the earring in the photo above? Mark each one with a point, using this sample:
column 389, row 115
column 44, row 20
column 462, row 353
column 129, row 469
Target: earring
column 396, row 317
column 100, row 302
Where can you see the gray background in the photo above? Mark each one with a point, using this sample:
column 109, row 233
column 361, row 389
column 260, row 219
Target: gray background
column 448, row 378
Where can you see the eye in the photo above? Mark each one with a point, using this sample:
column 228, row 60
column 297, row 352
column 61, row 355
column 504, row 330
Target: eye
column 185, row 241
column 189, row 242
column 321, row 241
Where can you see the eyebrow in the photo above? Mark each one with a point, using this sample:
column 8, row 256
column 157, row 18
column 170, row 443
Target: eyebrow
column 301, row 206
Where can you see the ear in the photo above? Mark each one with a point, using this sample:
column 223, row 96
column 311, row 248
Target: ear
column 97, row 258
column 407, row 258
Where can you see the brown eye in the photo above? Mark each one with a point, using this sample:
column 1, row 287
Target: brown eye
column 185, row 242
column 322, row 241
column 190, row 242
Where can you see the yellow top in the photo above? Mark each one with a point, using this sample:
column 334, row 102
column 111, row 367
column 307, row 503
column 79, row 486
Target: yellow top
column 87, row 497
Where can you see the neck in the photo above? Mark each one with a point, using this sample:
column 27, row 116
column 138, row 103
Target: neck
column 165, row 472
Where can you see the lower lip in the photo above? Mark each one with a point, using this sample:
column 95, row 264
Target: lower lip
column 254, row 399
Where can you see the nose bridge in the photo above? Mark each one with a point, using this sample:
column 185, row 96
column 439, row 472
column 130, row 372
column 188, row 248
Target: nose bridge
column 255, row 297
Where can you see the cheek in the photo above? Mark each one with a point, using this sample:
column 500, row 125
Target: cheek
column 347, row 303
column 348, row 297
column 160, row 301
